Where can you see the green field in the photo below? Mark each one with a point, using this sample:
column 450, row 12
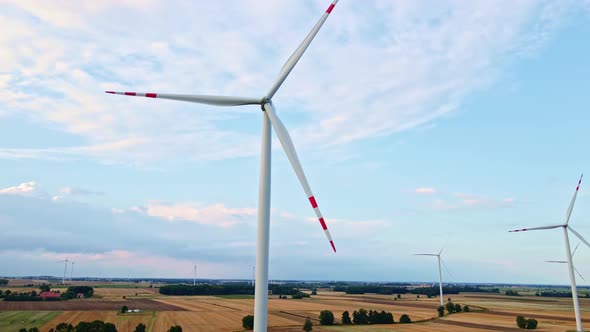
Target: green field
column 12, row 321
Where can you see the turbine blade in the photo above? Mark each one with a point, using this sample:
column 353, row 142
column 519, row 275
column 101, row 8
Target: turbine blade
column 201, row 99
column 535, row 228
column 294, row 58
column 447, row 269
column 425, row 255
column 576, row 249
column 561, row 262
column 571, row 207
column 440, row 252
column 578, row 235
column 578, row 272
column 289, row 148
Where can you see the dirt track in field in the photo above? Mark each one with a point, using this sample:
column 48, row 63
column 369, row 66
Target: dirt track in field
column 87, row 305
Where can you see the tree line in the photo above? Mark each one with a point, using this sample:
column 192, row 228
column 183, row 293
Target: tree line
column 96, row 326
column 71, row 293
column 429, row 291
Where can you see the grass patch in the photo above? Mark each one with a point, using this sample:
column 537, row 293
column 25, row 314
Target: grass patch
column 237, row 296
column 12, row 321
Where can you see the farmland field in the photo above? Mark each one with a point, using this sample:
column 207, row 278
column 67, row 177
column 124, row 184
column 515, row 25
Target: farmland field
column 490, row 312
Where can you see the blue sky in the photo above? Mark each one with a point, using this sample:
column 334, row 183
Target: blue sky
column 419, row 126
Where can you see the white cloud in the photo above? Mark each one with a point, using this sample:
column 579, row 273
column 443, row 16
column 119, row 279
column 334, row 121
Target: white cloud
column 26, row 188
column 376, row 68
column 217, row 214
column 425, row 190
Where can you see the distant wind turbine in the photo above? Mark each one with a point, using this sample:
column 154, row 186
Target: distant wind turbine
column 63, row 280
column 195, row 276
column 439, row 273
column 568, row 252
column 270, row 118
column 71, row 271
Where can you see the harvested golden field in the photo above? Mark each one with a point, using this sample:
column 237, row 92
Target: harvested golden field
column 490, row 312
column 124, row 323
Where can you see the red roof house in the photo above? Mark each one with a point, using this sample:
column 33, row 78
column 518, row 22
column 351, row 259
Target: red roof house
column 50, row 295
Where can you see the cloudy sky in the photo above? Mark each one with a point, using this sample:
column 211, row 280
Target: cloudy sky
column 420, row 125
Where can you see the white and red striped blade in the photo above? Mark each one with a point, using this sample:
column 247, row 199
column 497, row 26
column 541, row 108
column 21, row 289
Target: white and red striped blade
column 294, row 58
column 425, row 255
column 289, row 148
column 571, row 207
column 579, row 236
column 201, row 99
column 536, row 228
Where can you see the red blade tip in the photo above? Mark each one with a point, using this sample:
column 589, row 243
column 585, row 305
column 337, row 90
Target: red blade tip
column 111, row 92
column 333, row 246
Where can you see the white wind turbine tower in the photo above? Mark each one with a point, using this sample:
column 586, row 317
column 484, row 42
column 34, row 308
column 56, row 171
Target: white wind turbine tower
column 565, row 262
column 442, row 302
column 195, row 276
column 63, row 280
column 71, row 270
column 269, row 118
column 568, row 252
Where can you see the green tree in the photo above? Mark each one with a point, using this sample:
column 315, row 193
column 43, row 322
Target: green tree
column 44, row 288
column 466, row 308
column 346, row 318
column 441, row 311
column 124, row 309
column 450, row 307
column 314, row 292
column 109, row 327
column 360, row 317
column 140, row 328
column 248, row 322
column 22, row 330
column 399, row 296
column 326, row 318
column 458, row 308
column 531, row 324
column 521, row 321
column 33, row 329
column 308, row 326
column 64, row 327
column 405, row 319
column 175, row 328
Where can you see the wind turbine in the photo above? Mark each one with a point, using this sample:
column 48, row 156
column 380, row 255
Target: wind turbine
column 195, row 277
column 568, row 252
column 71, row 271
column 269, row 118
column 63, row 280
column 442, row 302
column 565, row 262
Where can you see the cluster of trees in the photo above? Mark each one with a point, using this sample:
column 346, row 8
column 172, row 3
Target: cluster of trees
column 452, row 308
column 238, row 289
column 523, row 323
column 554, row 294
column 429, row 291
column 32, row 329
column 299, row 295
column 73, row 292
column 228, row 289
column 510, row 292
column 22, row 296
column 371, row 317
column 3, row 281
column 96, row 326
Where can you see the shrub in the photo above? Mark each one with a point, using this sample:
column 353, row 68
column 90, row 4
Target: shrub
column 450, row 307
column 441, row 311
column 314, row 292
column 531, row 324
column 140, row 328
column 466, row 308
column 308, row 326
column 405, row 319
column 521, row 321
column 175, row 328
column 248, row 322
column 458, row 308
column 360, row 317
column 346, row 318
column 124, row 309
column 326, row 318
